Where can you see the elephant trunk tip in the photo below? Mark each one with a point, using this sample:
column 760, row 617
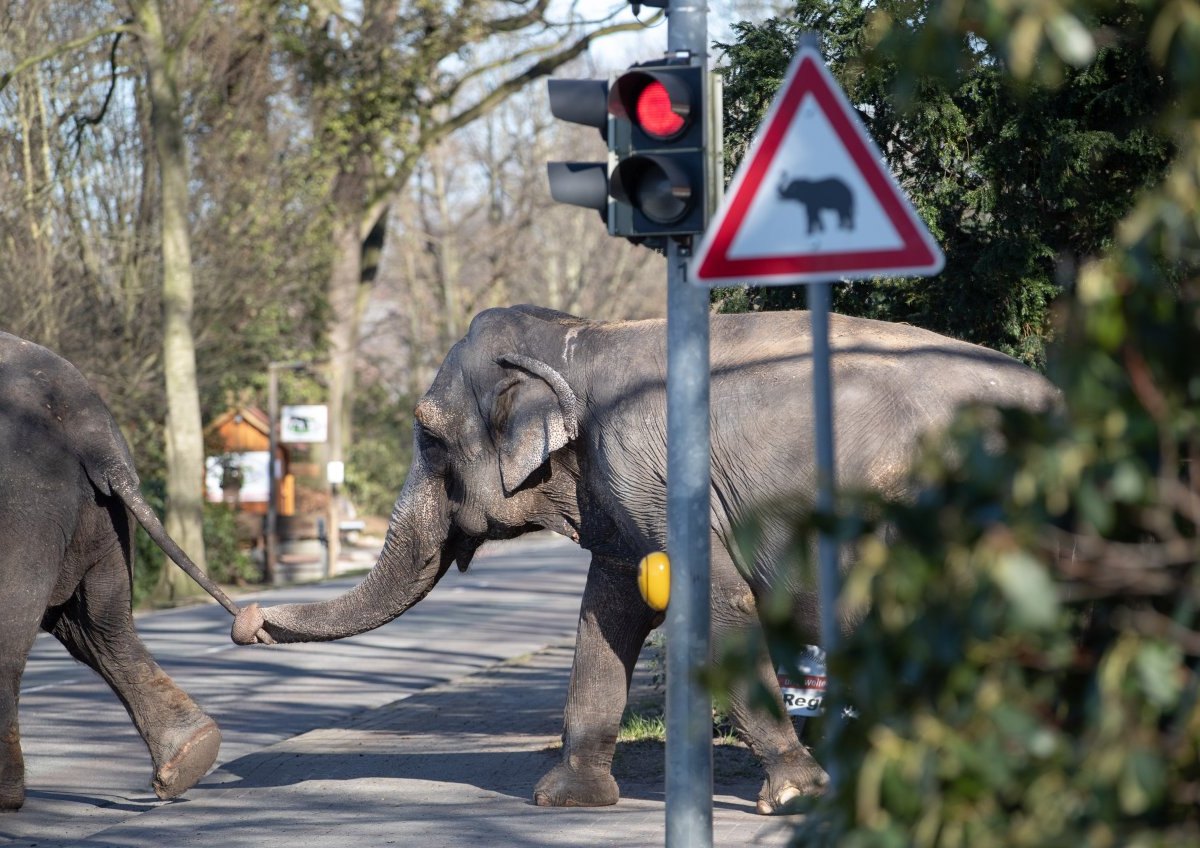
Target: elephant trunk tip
column 248, row 627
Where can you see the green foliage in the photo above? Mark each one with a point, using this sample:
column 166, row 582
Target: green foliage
column 382, row 449
column 228, row 562
column 1017, row 180
column 148, row 558
column 1027, row 668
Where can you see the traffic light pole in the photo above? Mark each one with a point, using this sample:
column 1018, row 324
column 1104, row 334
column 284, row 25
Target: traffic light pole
column 689, row 708
column 689, row 781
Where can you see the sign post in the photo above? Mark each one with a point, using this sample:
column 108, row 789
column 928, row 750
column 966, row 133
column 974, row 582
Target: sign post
column 813, row 202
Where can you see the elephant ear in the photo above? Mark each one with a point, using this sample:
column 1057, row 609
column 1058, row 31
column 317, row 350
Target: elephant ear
column 532, row 415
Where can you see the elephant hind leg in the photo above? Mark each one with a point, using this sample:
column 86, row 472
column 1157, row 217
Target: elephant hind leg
column 12, row 665
column 791, row 769
column 21, row 607
column 96, row 627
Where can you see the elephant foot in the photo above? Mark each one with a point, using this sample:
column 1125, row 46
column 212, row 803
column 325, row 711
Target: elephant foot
column 563, row 786
column 12, row 771
column 11, row 797
column 187, row 762
column 794, row 775
column 12, row 794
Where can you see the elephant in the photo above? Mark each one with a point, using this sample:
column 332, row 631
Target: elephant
column 818, row 195
column 68, row 499
column 541, row 420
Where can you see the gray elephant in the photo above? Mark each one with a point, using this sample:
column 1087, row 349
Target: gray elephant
column 538, row 419
column 68, row 495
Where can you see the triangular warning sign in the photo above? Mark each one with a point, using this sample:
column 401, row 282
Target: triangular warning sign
column 813, row 201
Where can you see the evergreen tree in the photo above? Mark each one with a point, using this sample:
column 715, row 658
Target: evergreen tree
column 1017, row 181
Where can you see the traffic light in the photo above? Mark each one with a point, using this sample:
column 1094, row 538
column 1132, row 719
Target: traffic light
column 661, row 168
column 662, row 165
column 580, row 183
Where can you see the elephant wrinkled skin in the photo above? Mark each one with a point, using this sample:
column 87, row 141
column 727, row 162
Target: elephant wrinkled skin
column 538, row 419
column 68, row 498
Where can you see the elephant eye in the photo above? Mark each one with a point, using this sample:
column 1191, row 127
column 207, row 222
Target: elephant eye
column 433, row 449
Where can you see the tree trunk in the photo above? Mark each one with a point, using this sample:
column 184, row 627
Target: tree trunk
column 344, row 280
column 185, row 440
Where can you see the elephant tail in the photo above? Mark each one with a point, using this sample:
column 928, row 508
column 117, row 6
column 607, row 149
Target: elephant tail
column 109, row 465
column 127, row 490
column 124, row 486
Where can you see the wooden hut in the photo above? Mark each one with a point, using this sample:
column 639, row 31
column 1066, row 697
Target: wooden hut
column 237, row 444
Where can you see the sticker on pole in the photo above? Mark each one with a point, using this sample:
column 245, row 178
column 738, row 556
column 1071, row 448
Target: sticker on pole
column 813, row 200
column 805, row 695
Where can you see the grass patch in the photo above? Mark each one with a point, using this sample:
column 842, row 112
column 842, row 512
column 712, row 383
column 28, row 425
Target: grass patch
column 649, row 725
column 642, row 727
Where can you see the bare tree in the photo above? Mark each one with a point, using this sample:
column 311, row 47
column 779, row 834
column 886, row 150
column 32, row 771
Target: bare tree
column 388, row 85
column 184, row 431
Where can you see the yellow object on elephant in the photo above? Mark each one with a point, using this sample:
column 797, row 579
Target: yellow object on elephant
column 654, row 580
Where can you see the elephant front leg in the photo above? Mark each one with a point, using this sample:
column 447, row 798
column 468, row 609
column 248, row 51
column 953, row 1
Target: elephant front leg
column 613, row 624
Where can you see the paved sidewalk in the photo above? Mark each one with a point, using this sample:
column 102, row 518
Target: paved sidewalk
column 361, row 742
column 449, row 767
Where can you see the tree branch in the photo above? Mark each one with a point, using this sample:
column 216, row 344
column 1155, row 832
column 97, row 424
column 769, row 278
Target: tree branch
column 495, row 96
column 501, row 92
column 516, row 22
column 60, row 49
column 91, row 120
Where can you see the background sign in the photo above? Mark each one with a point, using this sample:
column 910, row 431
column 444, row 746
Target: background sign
column 246, row 472
column 304, row 424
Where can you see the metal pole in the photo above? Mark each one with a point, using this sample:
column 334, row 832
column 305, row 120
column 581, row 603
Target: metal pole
column 689, row 781
column 271, row 532
column 819, row 295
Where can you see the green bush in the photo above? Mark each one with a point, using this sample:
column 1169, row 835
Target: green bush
column 382, row 449
column 1027, row 670
column 148, row 558
column 228, row 562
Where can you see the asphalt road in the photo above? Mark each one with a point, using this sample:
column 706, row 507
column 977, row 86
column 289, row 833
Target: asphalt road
column 428, row 731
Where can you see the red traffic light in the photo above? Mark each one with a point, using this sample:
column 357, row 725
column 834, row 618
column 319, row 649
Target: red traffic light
column 655, row 114
column 661, row 172
column 661, row 102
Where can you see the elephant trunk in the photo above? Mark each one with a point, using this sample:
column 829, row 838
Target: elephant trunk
column 410, row 564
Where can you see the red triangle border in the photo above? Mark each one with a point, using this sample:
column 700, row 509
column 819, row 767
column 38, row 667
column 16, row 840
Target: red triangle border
column 916, row 255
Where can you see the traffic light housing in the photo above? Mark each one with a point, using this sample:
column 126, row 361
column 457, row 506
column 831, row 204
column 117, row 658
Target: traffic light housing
column 661, row 172
column 663, row 167
column 581, row 183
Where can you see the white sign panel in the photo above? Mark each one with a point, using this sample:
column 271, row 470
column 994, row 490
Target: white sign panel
column 304, row 424
column 247, row 472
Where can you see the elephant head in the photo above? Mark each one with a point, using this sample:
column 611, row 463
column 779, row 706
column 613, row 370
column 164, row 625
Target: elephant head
column 491, row 460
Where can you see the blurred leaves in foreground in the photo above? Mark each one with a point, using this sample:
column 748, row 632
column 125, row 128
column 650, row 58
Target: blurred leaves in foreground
column 1025, row 672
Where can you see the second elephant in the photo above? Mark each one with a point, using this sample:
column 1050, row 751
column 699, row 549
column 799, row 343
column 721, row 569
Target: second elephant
column 538, row 419
column 68, row 499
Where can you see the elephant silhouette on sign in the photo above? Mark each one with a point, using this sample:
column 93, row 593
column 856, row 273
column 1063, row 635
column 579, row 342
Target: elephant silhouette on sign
column 818, row 195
